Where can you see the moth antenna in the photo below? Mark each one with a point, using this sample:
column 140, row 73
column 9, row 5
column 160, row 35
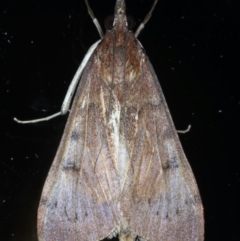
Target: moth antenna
column 95, row 21
column 148, row 16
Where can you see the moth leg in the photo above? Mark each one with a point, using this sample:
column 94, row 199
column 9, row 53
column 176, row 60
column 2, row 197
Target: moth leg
column 71, row 89
column 184, row 131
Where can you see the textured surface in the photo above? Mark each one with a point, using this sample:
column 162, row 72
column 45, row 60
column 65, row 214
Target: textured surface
column 120, row 167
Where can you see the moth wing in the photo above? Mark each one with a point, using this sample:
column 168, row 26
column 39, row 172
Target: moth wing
column 162, row 201
column 78, row 199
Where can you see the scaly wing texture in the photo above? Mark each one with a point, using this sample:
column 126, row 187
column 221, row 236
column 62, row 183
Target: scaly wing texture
column 120, row 165
column 79, row 197
column 160, row 200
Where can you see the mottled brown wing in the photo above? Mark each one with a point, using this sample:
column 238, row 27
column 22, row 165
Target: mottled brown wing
column 160, row 200
column 79, row 196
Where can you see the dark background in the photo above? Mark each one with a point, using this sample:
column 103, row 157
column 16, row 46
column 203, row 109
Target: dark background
column 194, row 48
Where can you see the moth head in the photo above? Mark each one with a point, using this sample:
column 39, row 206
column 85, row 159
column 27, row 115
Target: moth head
column 108, row 22
column 120, row 19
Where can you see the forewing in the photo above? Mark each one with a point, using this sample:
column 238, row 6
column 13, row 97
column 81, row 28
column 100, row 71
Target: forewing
column 79, row 196
column 161, row 200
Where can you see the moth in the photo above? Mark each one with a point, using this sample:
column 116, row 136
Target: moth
column 120, row 168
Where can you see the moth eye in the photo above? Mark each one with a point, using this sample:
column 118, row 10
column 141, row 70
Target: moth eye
column 108, row 22
column 131, row 22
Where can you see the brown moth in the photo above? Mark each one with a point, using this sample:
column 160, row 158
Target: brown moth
column 120, row 168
